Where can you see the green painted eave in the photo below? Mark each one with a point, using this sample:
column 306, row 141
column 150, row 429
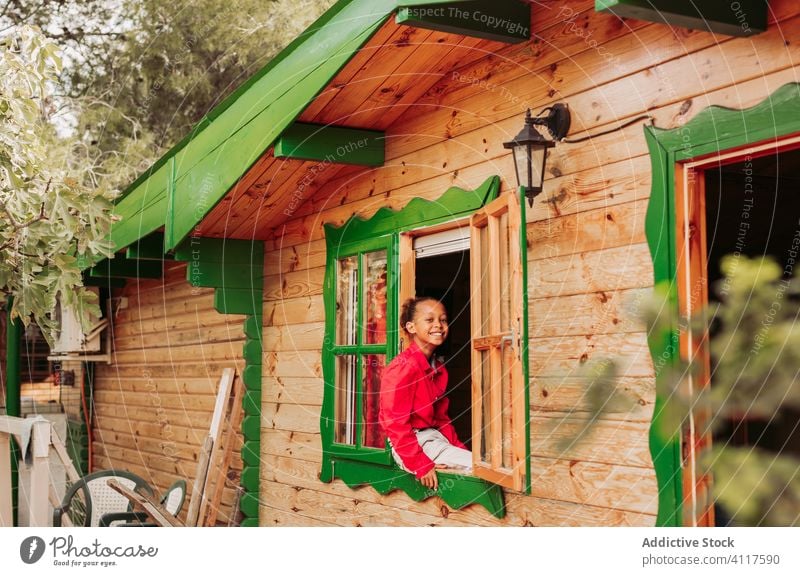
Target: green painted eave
column 508, row 21
column 179, row 190
column 332, row 144
column 740, row 18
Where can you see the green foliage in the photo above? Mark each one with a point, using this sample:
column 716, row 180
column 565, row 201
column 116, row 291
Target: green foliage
column 755, row 487
column 142, row 73
column 758, row 343
column 138, row 75
column 51, row 212
column 755, row 351
column 601, row 397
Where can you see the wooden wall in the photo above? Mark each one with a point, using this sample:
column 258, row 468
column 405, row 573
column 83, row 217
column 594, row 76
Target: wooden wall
column 153, row 404
column 589, row 264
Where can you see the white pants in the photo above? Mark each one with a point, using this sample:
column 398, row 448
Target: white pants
column 437, row 448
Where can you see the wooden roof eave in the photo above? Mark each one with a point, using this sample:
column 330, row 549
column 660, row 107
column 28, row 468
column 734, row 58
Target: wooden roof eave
column 186, row 183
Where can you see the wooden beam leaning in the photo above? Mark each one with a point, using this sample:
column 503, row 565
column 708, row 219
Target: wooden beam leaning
column 331, row 144
column 198, row 501
column 742, row 18
column 507, row 22
column 222, row 464
column 153, row 508
column 40, row 473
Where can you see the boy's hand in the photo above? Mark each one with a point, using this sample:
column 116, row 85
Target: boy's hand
column 431, row 480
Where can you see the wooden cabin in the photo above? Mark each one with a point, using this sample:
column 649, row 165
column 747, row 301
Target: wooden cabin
column 366, row 164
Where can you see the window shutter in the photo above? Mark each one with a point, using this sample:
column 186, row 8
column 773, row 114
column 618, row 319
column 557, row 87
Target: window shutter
column 499, row 343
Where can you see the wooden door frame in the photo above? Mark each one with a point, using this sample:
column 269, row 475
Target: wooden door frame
column 715, row 135
column 692, row 284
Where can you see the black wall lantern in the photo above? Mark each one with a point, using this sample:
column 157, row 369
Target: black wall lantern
column 530, row 147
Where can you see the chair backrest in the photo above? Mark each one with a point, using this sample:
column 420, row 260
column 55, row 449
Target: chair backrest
column 100, row 498
column 173, row 498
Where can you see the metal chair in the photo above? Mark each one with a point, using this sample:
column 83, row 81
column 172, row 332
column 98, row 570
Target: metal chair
column 90, row 500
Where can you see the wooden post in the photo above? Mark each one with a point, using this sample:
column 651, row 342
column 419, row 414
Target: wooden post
column 216, row 431
column 224, row 465
column 6, row 506
column 153, row 508
column 197, row 503
column 40, row 473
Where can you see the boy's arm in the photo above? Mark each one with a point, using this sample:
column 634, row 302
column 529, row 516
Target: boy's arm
column 397, row 393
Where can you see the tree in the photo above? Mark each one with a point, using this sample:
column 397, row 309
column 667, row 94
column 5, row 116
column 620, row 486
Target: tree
column 754, row 343
column 142, row 73
column 54, row 212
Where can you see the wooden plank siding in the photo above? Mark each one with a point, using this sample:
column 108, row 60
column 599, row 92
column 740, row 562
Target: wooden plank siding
column 588, row 264
column 153, row 404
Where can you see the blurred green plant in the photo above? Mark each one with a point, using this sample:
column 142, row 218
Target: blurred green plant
column 755, row 351
column 52, row 213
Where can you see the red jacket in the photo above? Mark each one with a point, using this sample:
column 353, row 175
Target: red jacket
column 412, row 396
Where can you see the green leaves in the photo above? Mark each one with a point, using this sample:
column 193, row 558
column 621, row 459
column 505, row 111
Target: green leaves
column 50, row 209
column 754, row 341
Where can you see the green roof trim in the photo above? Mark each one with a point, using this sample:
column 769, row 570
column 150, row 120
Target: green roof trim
column 181, row 188
column 508, row 21
column 739, row 18
column 336, row 144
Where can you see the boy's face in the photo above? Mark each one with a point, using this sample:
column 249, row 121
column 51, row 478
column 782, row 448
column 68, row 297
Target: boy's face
column 429, row 327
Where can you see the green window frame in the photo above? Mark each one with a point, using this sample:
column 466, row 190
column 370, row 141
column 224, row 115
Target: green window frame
column 351, row 461
column 360, row 251
column 713, row 131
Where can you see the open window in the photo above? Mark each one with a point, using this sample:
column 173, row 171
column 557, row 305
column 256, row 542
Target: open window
column 499, row 344
column 468, row 250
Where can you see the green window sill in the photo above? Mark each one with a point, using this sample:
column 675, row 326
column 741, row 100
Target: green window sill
column 455, row 489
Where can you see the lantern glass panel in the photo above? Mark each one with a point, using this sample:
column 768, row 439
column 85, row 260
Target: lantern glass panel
column 537, row 166
column 521, row 164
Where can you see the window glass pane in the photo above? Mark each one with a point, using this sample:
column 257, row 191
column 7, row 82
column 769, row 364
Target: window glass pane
column 505, row 275
column 345, row 400
column 346, row 300
column 485, row 273
column 485, row 406
column 372, row 368
column 506, row 425
column 375, row 297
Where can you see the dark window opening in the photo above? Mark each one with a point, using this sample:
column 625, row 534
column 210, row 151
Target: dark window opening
column 751, row 209
column 446, row 278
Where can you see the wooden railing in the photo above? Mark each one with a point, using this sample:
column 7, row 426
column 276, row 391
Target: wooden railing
column 40, row 492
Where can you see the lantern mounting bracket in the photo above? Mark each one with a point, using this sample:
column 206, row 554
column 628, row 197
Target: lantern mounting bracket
column 557, row 120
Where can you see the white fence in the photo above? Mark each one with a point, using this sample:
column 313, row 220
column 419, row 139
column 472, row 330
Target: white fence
column 34, row 437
